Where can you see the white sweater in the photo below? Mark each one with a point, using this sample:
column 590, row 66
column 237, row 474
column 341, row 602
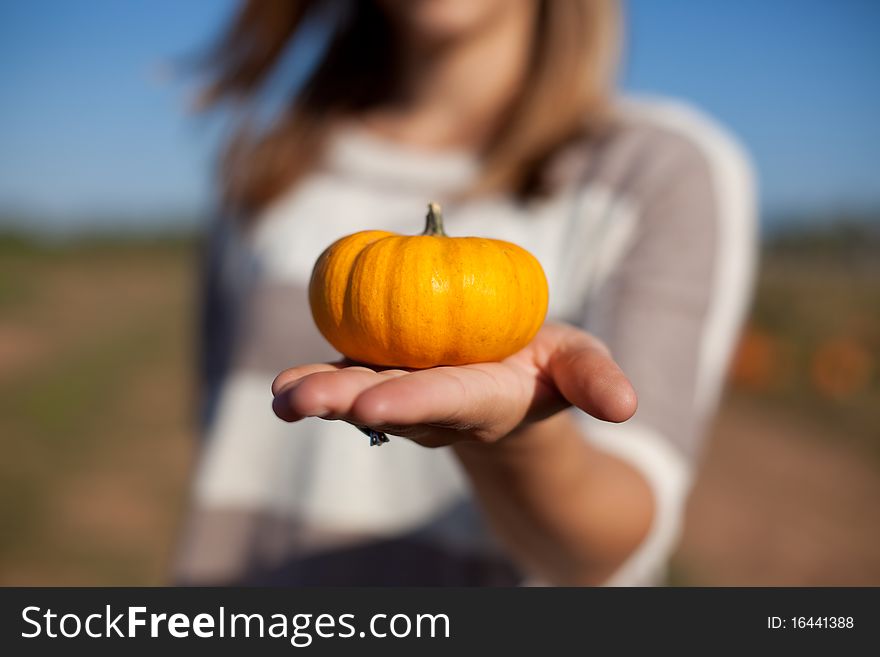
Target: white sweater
column 648, row 243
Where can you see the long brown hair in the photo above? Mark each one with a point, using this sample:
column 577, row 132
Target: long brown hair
column 565, row 95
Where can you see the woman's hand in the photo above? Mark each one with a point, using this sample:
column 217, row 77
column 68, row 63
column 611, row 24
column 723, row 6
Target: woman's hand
column 568, row 513
column 484, row 402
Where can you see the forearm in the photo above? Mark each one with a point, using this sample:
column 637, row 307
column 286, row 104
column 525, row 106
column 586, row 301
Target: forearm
column 569, row 513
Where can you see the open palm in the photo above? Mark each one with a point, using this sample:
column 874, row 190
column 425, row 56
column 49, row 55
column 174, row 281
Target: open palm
column 482, row 402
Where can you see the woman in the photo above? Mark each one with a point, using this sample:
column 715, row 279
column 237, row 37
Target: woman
column 640, row 212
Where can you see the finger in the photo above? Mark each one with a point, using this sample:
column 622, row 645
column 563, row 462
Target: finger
column 293, row 374
column 586, row 374
column 465, row 398
column 325, row 394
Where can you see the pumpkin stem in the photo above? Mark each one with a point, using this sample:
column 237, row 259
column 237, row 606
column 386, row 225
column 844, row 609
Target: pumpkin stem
column 434, row 221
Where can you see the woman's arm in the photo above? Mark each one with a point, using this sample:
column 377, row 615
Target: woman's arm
column 569, row 513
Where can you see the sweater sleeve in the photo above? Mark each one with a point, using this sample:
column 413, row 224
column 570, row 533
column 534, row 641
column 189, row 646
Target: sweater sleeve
column 671, row 309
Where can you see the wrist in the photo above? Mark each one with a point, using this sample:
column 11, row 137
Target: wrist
column 521, row 444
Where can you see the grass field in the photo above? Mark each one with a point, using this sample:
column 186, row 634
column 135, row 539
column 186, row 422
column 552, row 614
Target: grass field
column 96, row 408
column 95, row 399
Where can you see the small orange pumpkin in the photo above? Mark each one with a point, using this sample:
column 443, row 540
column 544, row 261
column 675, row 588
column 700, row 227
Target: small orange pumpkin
column 426, row 300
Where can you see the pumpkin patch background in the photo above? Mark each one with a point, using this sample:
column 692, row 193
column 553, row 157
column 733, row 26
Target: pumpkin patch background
column 102, row 188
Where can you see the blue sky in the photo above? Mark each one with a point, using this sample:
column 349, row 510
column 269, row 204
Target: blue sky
column 88, row 129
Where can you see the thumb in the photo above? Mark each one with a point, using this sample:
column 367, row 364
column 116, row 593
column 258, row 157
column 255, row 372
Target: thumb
column 587, row 376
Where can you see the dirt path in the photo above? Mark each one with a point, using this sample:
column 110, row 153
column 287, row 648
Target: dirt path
column 779, row 503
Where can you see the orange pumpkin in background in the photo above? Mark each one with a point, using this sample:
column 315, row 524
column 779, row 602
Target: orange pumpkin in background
column 427, row 300
column 841, row 367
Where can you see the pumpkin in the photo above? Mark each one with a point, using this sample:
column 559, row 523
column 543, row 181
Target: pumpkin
column 419, row 301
